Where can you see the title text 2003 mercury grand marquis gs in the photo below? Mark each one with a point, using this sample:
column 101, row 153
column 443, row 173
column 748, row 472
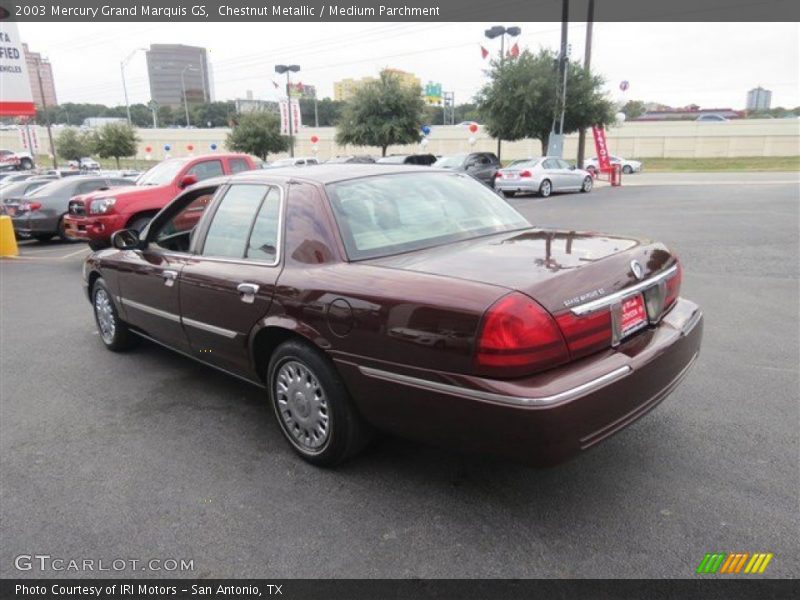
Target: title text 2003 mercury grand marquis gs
column 408, row 300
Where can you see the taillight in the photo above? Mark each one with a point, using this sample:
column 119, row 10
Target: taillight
column 499, row 175
column 31, row 206
column 525, row 173
column 674, row 286
column 518, row 337
column 586, row 334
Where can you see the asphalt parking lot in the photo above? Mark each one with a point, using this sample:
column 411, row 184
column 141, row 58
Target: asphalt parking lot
column 149, row 455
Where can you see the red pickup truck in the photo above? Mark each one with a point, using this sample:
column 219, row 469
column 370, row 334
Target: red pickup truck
column 94, row 217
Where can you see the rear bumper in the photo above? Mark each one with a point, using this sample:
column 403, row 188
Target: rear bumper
column 92, row 228
column 32, row 224
column 517, row 185
column 541, row 420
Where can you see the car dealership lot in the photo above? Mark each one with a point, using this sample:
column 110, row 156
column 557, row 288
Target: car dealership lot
column 149, row 455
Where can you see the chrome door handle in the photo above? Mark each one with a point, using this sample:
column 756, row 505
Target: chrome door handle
column 247, row 291
column 169, row 277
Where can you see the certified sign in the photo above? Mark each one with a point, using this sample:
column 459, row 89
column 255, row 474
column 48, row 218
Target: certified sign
column 16, row 99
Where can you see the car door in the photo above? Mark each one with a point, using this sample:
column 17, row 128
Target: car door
column 553, row 172
column 482, row 168
column 228, row 284
column 573, row 179
column 147, row 280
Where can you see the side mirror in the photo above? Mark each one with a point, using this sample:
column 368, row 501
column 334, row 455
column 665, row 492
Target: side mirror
column 187, row 180
column 126, row 239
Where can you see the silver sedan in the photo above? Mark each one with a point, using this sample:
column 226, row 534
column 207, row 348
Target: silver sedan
column 543, row 176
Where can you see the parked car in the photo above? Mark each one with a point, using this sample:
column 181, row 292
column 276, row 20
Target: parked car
column 14, row 192
column 85, row 164
column 407, row 159
column 481, row 165
column 40, row 214
column 94, row 217
column 7, row 177
column 21, row 161
column 297, row 161
column 405, row 299
column 711, row 118
column 543, row 176
column 350, row 159
column 628, row 166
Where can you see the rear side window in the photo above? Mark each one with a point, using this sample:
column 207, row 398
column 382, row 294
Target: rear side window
column 90, row 186
column 238, row 165
column 206, row 169
column 263, row 243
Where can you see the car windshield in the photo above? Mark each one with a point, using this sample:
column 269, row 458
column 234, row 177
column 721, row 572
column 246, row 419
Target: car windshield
column 390, row 214
column 162, row 173
column 449, row 162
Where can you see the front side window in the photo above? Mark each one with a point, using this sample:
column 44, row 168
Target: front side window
column 206, row 169
column 390, row 214
column 230, row 228
column 176, row 233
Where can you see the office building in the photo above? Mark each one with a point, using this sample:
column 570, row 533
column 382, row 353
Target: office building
column 344, row 89
column 759, row 99
column 174, row 69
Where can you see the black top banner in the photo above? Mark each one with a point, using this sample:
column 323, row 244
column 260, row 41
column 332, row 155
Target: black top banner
column 402, row 10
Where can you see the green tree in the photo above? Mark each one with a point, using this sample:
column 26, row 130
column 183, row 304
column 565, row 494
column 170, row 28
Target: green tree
column 115, row 140
column 519, row 100
column 72, row 144
column 634, row 109
column 166, row 116
column 382, row 113
column 257, row 133
column 219, row 114
column 327, row 111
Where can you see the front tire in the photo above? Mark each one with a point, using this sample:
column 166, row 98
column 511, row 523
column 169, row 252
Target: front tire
column 588, row 183
column 114, row 332
column 312, row 405
column 546, row 188
column 139, row 223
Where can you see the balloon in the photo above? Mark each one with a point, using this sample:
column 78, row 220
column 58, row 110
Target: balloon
column 167, row 147
column 472, row 140
column 189, row 147
column 314, row 139
column 624, row 85
column 424, row 142
column 426, row 129
column 473, row 127
column 620, row 116
column 148, row 149
column 213, row 146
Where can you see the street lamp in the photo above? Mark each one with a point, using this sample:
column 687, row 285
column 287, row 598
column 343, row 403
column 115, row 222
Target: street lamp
column 183, row 87
column 281, row 69
column 123, row 63
column 501, row 32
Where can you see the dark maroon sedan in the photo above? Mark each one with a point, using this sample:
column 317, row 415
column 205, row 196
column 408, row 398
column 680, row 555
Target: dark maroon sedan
column 409, row 300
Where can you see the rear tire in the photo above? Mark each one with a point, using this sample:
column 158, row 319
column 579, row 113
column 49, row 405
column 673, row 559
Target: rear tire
column 62, row 232
column 545, row 188
column 26, row 164
column 43, row 237
column 314, row 410
column 627, row 169
column 588, row 183
column 114, row 332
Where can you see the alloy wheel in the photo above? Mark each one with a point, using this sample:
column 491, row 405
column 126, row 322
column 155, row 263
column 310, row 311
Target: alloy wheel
column 303, row 406
column 104, row 311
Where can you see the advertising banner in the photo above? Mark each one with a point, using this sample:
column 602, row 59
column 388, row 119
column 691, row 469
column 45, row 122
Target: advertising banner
column 16, row 99
column 603, row 162
column 297, row 121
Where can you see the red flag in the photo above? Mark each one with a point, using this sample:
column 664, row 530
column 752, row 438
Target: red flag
column 484, row 52
column 514, row 52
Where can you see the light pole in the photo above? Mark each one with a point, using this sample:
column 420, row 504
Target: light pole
column 183, row 87
column 501, row 32
column 46, row 115
column 281, row 69
column 123, row 63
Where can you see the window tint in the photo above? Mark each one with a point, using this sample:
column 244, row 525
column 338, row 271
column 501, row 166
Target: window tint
column 263, row 244
column 230, row 227
column 185, row 221
column 206, row 169
column 238, row 165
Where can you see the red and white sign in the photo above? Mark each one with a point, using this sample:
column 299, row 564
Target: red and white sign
column 633, row 314
column 603, row 161
column 297, row 121
column 16, row 99
column 29, row 139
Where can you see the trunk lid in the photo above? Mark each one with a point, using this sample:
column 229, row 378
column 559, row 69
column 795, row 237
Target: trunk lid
column 560, row 269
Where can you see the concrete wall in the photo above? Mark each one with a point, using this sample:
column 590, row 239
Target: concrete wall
column 753, row 137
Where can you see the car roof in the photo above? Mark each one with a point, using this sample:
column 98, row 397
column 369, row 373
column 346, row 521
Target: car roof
column 325, row 173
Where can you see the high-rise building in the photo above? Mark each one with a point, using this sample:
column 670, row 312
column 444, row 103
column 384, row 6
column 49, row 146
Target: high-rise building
column 40, row 68
column 759, row 99
column 175, row 68
column 345, row 89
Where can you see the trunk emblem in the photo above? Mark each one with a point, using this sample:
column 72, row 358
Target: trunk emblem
column 637, row 270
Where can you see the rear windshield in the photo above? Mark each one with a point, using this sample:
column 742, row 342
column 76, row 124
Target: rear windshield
column 448, row 162
column 390, row 214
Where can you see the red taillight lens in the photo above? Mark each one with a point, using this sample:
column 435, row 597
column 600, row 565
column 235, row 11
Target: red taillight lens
column 674, row 286
column 499, row 175
column 525, row 174
column 518, row 337
column 31, row 206
column 586, row 334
